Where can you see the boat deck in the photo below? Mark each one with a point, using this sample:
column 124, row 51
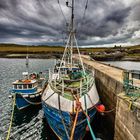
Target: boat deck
column 68, row 88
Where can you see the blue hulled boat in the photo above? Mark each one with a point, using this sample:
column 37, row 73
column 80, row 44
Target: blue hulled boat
column 60, row 102
column 28, row 90
column 70, row 98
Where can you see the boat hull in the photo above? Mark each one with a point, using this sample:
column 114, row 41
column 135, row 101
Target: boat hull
column 23, row 101
column 54, row 118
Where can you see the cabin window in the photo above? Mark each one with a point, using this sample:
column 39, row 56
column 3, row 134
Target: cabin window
column 30, row 86
column 19, row 86
column 25, row 86
column 15, row 86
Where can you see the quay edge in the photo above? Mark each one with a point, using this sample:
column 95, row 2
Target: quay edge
column 125, row 119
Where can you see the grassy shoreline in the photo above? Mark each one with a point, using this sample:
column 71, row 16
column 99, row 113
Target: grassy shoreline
column 131, row 53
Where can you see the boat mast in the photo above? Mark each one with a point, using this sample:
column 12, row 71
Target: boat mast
column 72, row 31
column 72, row 16
column 27, row 63
column 68, row 52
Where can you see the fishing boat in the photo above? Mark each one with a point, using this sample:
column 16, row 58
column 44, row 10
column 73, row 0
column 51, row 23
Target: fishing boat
column 28, row 90
column 70, row 99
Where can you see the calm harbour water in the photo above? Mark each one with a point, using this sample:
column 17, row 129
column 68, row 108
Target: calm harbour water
column 30, row 124
column 129, row 65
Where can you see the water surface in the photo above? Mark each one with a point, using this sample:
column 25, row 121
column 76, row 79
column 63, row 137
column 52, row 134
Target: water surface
column 30, row 124
column 129, row 65
column 27, row 124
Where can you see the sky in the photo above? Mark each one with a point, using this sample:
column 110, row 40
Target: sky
column 106, row 22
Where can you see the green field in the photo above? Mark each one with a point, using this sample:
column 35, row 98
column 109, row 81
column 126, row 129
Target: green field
column 13, row 50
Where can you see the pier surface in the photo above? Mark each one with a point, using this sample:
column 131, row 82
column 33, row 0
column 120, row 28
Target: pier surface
column 125, row 119
column 113, row 72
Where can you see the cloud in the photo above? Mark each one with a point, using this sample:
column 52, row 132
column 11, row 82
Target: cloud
column 41, row 21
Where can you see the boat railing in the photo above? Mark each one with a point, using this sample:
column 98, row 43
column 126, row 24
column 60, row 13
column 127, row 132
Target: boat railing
column 50, row 76
column 53, row 75
column 84, row 86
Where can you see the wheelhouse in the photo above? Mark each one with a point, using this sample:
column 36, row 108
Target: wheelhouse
column 25, row 86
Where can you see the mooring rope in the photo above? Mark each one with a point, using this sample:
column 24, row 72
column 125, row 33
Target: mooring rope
column 91, row 131
column 49, row 96
column 86, row 114
column 78, row 106
column 11, row 119
column 94, row 105
column 38, row 103
column 129, row 100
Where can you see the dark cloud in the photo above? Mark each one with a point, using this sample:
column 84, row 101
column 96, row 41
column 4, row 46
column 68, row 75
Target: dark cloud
column 118, row 16
column 41, row 21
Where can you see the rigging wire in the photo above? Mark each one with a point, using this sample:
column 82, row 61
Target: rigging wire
column 83, row 17
column 66, row 22
column 86, row 6
column 62, row 12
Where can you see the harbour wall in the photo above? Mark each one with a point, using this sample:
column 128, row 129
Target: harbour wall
column 108, row 88
column 125, row 122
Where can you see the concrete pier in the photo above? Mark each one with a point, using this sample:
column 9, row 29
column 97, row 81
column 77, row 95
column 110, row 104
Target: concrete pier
column 127, row 122
column 125, row 119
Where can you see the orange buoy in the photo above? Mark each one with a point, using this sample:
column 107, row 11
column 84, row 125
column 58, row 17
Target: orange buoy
column 101, row 108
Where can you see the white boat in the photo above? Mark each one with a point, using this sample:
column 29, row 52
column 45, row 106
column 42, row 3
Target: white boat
column 71, row 98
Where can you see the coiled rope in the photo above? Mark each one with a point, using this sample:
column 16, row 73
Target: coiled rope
column 11, row 119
